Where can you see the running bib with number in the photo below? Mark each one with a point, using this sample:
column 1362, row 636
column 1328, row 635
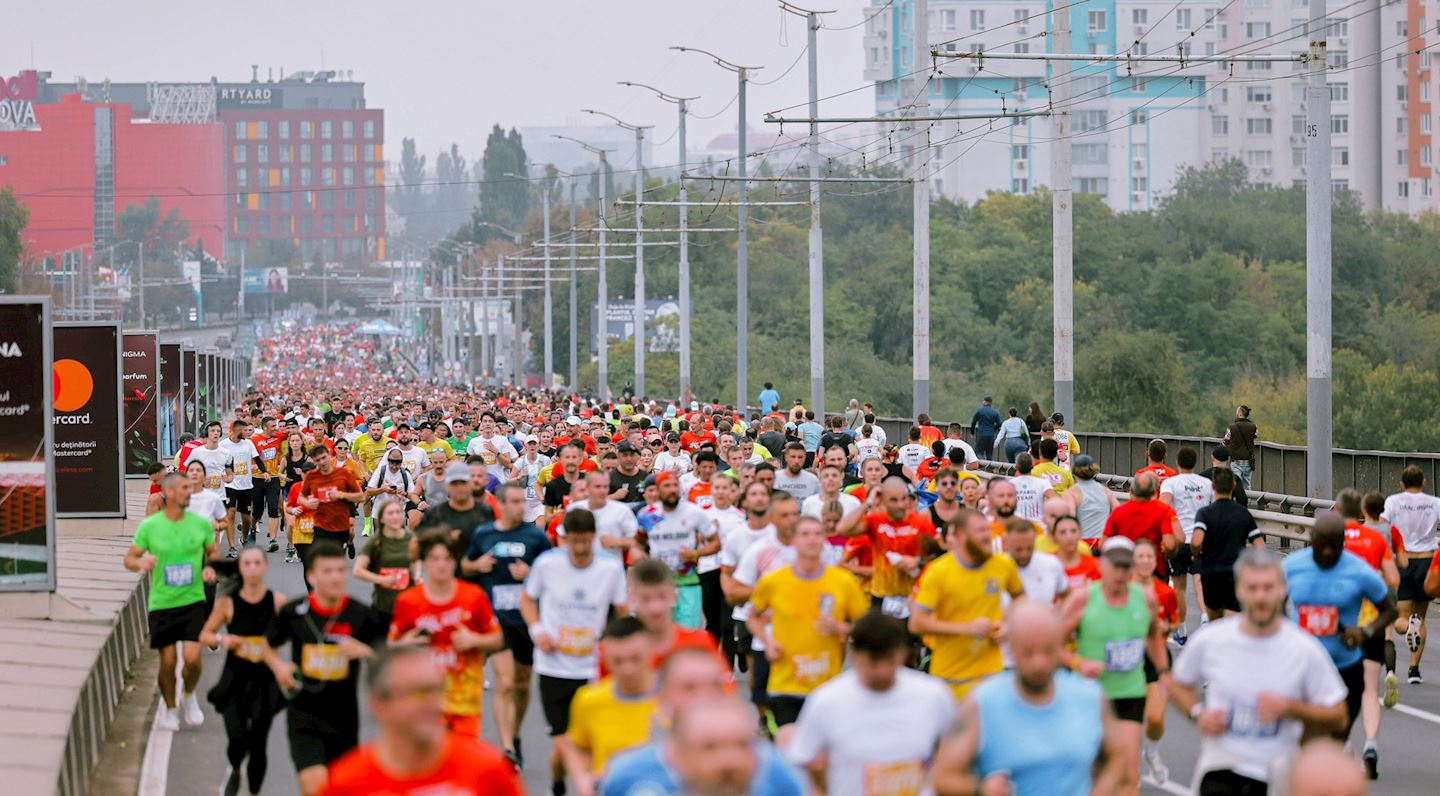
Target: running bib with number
column 303, row 530
column 179, row 574
column 402, row 576
column 897, row 606
column 670, row 558
column 252, row 648
column 810, row 668
column 242, row 468
column 267, row 454
column 1243, row 720
column 324, row 662
column 1124, row 655
column 578, row 642
column 1318, row 620
column 508, row 550
column 901, row 778
column 213, row 481
column 507, row 598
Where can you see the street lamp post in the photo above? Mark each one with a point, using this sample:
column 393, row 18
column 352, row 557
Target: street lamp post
column 602, row 342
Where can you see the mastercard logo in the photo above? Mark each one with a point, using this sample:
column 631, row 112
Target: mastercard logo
column 73, row 385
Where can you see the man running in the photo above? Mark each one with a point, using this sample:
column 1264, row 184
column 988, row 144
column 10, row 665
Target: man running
column 795, row 479
column 174, row 546
column 245, row 459
column 219, row 472
column 614, row 714
column 1186, row 493
column 678, row 533
column 1415, row 514
column 330, row 491
column 265, row 498
column 894, row 532
column 756, row 505
column 1222, row 531
column 1031, row 491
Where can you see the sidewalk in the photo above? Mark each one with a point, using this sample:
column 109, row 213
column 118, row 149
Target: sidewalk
column 61, row 678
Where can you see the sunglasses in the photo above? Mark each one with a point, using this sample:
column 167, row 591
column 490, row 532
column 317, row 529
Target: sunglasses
column 655, row 443
column 947, row 483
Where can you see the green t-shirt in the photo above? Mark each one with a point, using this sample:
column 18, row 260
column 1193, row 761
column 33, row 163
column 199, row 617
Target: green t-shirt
column 387, row 556
column 179, row 550
column 459, row 445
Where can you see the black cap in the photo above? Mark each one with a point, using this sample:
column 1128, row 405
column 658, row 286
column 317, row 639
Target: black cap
column 626, row 446
column 1220, row 453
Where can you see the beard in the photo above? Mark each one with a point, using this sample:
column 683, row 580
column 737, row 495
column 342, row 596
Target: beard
column 980, row 553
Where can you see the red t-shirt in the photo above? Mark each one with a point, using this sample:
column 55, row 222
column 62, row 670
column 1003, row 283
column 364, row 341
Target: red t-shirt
column 902, row 538
column 333, row 515
column 1143, row 519
column 699, row 494
column 464, row 671
column 691, row 441
column 185, row 451
column 1161, row 471
column 469, row 767
column 1367, row 543
column 1169, row 605
column 1082, row 573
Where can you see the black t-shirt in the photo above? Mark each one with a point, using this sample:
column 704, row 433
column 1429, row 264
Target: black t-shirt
column 1239, row 496
column 463, row 521
column 774, row 442
column 1228, row 527
column 636, row 484
column 831, row 439
column 556, row 491
column 328, row 682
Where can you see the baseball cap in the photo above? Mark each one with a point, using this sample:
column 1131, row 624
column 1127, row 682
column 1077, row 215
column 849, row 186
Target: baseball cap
column 626, row 446
column 668, row 475
column 456, row 472
column 1083, row 460
column 1220, row 453
column 531, row 438
column 1119, row 549
column 572, row 421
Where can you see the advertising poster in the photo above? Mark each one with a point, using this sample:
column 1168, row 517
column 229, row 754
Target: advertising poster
column 189, row 388
column 141, row 358
column 172, row 413
column 27, row 483
column 89, row 456
column 260, row 281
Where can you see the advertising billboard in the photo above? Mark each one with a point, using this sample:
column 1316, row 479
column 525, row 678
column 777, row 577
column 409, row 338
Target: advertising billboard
column 275, row 281
column 254, row 95
column 88, row 454
column 141, row 358
column 172, row 410
column 27, row 476
column 190, row 387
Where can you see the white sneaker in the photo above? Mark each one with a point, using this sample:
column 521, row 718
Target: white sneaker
column 1158, row 770
column 1412, row 633
column 193, row 715
column 168, row 719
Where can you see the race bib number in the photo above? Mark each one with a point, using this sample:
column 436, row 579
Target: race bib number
column 1124, row 655
column 251, row 648
column 325, row 493
column 303, row 530
column 508, row 550
column 267, row 454
column 577, row 642
column 507, row 598
column 1244, row 721
column 812, row 668
column 670, row 558
column 402, row 576
column 323, row 662
column 179, row 574
column 901, row 778
column 1318, row 620
column 242, row 468
column 897, row 606
column 213, row 481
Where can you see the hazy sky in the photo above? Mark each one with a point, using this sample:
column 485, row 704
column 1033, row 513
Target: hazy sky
column 448, row 71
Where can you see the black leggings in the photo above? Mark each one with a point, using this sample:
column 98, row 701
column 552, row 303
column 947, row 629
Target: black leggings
column 247, row 728
column 712, row 604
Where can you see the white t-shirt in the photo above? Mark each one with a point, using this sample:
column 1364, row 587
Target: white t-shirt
column 1414, row 514
column 243, row 455
column 481, row 446
column 1188, row 494
column 911, row 454
column 732, row 551
column 951, row 444
column 879, row 434
column 760, row 559
column 533, row 507
column 614, row 520
column 1030, row 496
column 867, row 448
column 384, row 476
column 811, row 507
column 207, row 505
column 574, row 604
column 800, row 486
column 1044, row 579
column 1236, row 668
column 414, row 461
column 722, row 521
column 215, row 462
column 687, row 526
column 678, row 463
column 868, row 735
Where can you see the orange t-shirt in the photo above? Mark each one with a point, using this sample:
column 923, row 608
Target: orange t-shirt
column 1161, row 471
column 1082, row 573
column 468, row 767
column 1367, row 543
column 902, row 538
column 680, row 638
column 464, row 671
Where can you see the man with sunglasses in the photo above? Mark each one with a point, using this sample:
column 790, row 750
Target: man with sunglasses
column 528, row 467
column 627, row 480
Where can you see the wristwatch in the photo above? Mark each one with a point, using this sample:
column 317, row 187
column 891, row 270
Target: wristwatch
column 1196, row 710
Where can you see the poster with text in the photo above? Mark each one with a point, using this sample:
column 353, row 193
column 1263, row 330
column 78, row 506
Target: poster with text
column 172, row 412
column 189, row 383
column 141, row 358
column 27, row 484
column 89, row 455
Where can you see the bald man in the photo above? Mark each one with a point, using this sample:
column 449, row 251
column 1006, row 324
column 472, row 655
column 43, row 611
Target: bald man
column 1324, row 768
column 1036, row 700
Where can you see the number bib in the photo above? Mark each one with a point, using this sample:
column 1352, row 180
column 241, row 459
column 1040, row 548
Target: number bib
column 897, row 606
column 1124, row 655
column 578, row 642
column 302, row 531
column 812, row 668
column 178, row 575
column 323, row 662
column 402, row 576
column 252, row 648
column 213, row 481
column 507, row 598
column 242, row 468
column 1318, row 620
column 901, row 778
column 1243, row 721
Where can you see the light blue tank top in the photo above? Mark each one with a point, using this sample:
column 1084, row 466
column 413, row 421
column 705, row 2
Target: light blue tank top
column 1094, row 509
column 1047, row 750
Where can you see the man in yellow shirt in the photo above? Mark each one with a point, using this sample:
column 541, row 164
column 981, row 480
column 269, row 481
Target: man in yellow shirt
column 957, row 604
column 1060, row 478
column 614, row 714
column 801, row 613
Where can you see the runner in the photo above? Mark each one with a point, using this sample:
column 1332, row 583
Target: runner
column 385, row 562
column 414, row 753
column 616, row 526
column 766, row 555
column 1059, row 477
column 1144, row 517
column 331, row 492
column 1042, row 574
column 894, row 532
column 370, row 449
column 653, row 597
column 1186, row 493
column 245, row 459
column 1157, row 696
column 491, row 445
column 627, row 480
column 673, row 459
column 219, row 472
column 723, row 516
column 266, row 497
column 1031, row 491
column 568, row 595
column 468, row 504
column 1266, row 682
column 613, row 714
column 1093, row 502
column 1155, row 461
column 795, row 479
column 1222, row 530
column 832, row 480
column 246, row 696
column 1415, row 514
column 757, row 526
column 1080, row 567
column 174, row 546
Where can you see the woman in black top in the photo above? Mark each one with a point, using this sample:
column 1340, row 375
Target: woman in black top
column 1034, row 420
column 246, row 696
column 294, row 460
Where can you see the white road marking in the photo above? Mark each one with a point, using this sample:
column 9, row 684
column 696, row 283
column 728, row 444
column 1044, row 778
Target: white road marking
column 155, row 769
column 1168, row 786
column 1418, row 713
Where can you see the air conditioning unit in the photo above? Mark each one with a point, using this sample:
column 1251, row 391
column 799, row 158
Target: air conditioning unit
column 1139, row 164
column 1267, row 107
column 1020, row 166
column 1139, row 30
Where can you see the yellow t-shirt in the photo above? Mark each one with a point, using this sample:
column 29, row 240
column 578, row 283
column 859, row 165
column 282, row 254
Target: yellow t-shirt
column 1060, row 479
column 368, row 450
column 437, row 445
column 953, row 592
column 808, row 658
column 605, row 723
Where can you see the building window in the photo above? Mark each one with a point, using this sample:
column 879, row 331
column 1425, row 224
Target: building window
column 327, row 129
column 284, row 153
column 1340, row 156
column 1257, row 30
column 369, row 175
column 1097, row 21
column 1140, row 16
column 349, row 200
column 285, row 176
column 240, row 131
column 1019, row 151
column 327, row 176
column 1139, row 117
column 239, row 153
column 1402, row 157
column 1425, row 123
column 262, row 153
column 1092, row 185
column 1402, row 189
column 1182, row 19
column 1140, row 48
column 262, row 200
column 1219, row 155
column 242, row 178
column 1257, row 66
column 1260, row 126
column 372, row 200
column 977, row 19
column 1339, row 186
column 305, row 200
column 348, row 175
column 307, row 129
column 284, row 128
column 263, row 222
column 371, row 224
column 369, row 127
column 1339, row 92
column 304, row 153
column 242, row 225
column 1137, row 84
column 1022, row 47
column 307, row 224
column 1339, row 124
column 1139, row 151
column 1402, row 92
column 1089, row 154
column 1297, row 125
column 327, row 200
column 947, row 20
column 347, row 129
column 1338, row 59
column 306, row 178
column 285, row 200
column 1139, row 184
column 1425, row 156
column 1337, row 28
column 327, row 153
column 262, row 129
column 241, row 200
column 1089, row 120
column 369, row 153
column 1297, row 156
column 1401, row 125
column 1257, row 94
column 1258, row 158
column 348, row 151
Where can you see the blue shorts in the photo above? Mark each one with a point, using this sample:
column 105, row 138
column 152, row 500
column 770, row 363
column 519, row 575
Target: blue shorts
column 688, row 608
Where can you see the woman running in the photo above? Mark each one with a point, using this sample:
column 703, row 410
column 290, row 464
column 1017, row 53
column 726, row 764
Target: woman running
column 1080, row 568
column 385, row 561
column 1156, row 694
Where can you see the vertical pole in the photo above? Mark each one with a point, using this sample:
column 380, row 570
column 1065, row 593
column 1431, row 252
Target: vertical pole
column 817, row 252
column 517, row 347
column 1062, row 223
column 140, row 288
column 639, row 315
column 1317, row 264
column 920, row 210
column 684, row 269
column 574, row 382
column 484, row 323
column 240, row 290
column 499, row 348
column 742, row 273
column 602, row 324
column 548, row 379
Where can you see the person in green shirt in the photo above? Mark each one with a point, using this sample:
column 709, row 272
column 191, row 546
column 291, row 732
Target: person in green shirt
column 173, row 546
column 460, row 435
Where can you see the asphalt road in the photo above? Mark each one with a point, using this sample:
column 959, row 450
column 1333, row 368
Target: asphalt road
column 1408, row 734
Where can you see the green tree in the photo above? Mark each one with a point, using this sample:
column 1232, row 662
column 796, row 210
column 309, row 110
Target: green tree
column 410, row 197
column 504, row 200
column 14, row 217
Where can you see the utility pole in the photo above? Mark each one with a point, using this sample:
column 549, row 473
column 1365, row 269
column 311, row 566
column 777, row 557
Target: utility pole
column 548, row 379
column 573, row 383
column 1318, row 437
column 485, row 321
column 1063, row 226
column 920, row 324
column 602, row 343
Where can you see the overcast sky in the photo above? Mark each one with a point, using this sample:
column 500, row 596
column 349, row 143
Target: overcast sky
column 448, row 71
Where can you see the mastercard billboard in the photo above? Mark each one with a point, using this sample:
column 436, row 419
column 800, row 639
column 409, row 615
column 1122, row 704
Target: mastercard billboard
column 27, row 486
column 87, row 384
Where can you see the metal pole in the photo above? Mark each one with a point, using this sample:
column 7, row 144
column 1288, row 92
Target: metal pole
column 684, row 269
column 1317, row 263
column 1062, row 224
column 602, row 326
column 742, row 273
column 817, row 253
column 517, row 347
column 485, row 323
column 920, row 329
column 548, row 378
column 639, row 315
column 498, row 347
column 573, row 383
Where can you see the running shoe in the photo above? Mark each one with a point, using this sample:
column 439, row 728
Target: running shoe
column 366, row 530
column 350, row 549
column 1415, row 678
column 168, row 719
column 274, row 546
column 1179, row 638
column 519, row 755
column 193, row 715
column 232, row 784
column 1392, row 690
column 1158, row 770
column 233, row 552
column 1412, row 633
column 1372, row 763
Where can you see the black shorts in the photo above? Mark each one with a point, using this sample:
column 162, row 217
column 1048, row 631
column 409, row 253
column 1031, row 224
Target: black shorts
column 556, row 694
column 168, row 626
column 1129, row 709
column 314, row 741
column 785, row 709
column 1412, row 579
column 519, row 644
column 265, row 497
column 238, row 499
column 1152, row 675
column 1224, row 782
column 1181, row 562
column 1354, row 679
column 1219, row 588
column 1373, row 648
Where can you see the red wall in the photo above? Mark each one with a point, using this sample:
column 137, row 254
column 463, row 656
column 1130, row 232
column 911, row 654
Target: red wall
column 182, row 165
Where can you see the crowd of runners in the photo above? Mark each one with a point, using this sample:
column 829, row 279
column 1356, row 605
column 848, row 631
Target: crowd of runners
column 706, row 600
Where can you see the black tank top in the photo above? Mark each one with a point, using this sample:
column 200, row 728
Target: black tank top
column 252, row 619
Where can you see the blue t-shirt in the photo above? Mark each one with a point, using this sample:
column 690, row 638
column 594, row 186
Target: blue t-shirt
column 768, row 400
column 525, row 542
column 1324, row 601
column 644, row 772
column 1010, row 725
column 810, row 433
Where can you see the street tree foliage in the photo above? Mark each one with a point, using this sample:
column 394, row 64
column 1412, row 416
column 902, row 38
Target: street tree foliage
column 408, row 198
column 14, row 216
column 504, row 200
column 167, row 295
